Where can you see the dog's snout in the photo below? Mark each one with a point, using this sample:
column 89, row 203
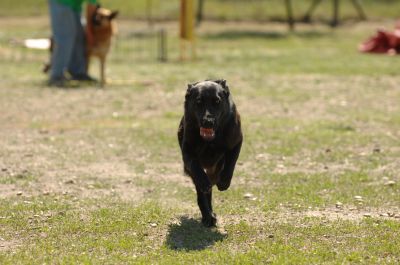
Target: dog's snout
column 208, row 123
column 208, row 120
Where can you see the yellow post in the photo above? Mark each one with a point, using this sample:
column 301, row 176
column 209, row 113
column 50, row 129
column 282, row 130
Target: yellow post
column 187, row 33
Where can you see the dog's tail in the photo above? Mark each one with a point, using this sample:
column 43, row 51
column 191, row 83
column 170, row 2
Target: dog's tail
column 47, row 66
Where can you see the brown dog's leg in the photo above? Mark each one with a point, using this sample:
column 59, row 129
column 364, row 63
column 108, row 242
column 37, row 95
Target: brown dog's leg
column 47, row 66
column 102, row 71
column 87, row 61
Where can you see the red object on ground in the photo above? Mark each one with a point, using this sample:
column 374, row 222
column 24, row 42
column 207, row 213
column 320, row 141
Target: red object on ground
column 383, row 42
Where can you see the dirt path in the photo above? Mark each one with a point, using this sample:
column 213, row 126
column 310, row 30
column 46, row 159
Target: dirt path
column 77, row 141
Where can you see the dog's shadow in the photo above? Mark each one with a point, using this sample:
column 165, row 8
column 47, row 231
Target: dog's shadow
column 190, row 235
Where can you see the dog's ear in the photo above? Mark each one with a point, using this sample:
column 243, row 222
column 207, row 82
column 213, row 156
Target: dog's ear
column 222, row 82
column 189, row 90
column 113, row 15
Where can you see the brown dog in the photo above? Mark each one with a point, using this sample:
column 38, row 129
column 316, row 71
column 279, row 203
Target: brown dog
column 103, row 28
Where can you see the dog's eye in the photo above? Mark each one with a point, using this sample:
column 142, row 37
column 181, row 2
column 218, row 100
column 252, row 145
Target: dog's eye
column 217, row 101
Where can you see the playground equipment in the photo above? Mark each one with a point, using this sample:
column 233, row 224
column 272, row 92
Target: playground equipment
column 307, row 17
column 335, row 18
column 288, row 5
column 188, row 18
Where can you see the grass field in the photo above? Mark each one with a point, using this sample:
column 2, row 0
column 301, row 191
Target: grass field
column 94, row 176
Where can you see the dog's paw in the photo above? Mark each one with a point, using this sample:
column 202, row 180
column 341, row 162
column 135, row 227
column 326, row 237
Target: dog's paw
column 209, row 221
column 223, row 185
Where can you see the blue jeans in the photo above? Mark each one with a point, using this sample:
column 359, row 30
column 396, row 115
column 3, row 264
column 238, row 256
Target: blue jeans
column 69, row 47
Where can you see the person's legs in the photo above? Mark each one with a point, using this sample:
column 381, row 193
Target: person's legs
column 62, row 19
column 77, row 65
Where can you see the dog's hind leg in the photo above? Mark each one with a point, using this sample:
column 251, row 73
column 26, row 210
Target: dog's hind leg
column 204, row 201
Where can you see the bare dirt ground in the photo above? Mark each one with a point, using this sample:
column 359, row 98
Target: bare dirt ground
column 49, row 158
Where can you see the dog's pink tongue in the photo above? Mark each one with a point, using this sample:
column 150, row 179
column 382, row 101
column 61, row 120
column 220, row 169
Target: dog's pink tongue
column 207, row 133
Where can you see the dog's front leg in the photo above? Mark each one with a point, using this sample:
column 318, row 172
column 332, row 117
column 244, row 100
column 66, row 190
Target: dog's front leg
column 204, row 193
column 202, row 183
column 199, row 177
column 230, row 162
column 194, row 169
column 204, row 201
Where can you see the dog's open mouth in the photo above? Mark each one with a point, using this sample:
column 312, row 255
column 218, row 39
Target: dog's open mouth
column 207, row 134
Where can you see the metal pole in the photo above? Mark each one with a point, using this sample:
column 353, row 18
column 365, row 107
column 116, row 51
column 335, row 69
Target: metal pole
column 358, row 6
column 307, row 16
column 199, row 14
column 335, row 19
column 289, row 12
column 162, row 52
column 149, row 9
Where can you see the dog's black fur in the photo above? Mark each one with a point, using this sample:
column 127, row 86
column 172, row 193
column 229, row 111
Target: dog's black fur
column 210, row 138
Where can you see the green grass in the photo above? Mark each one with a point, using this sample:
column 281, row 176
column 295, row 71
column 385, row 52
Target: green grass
column 116, row 232
column 100, row 170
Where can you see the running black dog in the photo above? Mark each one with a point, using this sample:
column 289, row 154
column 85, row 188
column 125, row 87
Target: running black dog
column 210, row 138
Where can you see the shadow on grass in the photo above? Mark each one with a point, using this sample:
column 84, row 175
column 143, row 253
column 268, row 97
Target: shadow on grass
column 237, row 34
column 190, row 234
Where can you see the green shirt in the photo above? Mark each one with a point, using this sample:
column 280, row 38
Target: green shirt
column 76, row 4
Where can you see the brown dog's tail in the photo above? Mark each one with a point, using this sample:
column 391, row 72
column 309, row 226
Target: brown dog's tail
column 47, row 66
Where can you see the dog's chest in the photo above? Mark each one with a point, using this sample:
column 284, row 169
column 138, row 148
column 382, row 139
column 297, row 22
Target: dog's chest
column 210, row 154
column 100, row 48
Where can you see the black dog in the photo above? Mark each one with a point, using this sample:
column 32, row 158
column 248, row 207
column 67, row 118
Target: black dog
column 210, row 138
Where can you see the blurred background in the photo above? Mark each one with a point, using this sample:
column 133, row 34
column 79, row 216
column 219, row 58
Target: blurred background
column 261, row 22
column 254, row 10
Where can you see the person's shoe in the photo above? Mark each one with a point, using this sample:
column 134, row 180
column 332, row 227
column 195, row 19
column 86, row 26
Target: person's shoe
column 83, row 77
column 57, row 82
